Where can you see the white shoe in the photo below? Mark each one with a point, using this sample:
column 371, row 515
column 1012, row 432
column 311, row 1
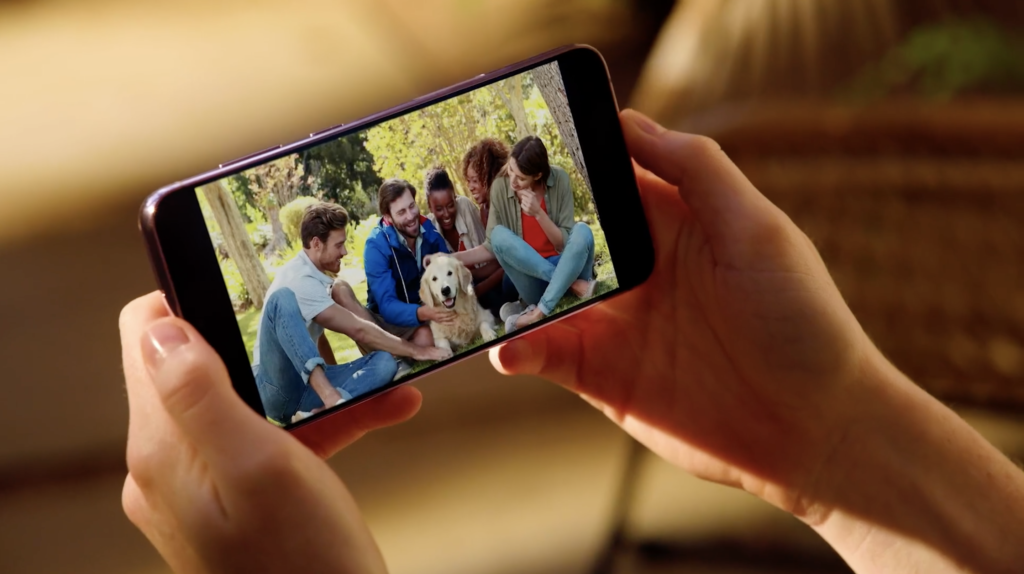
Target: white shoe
column 589, row 292
column 299, row 415
column 510, row 323
column 403, row 369
column 509, row 309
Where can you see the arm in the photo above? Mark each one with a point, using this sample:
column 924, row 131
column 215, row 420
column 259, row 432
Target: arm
column 324, row 346
column 565, row 214
column 491, row 282
column 380, row 282
column 758, row 376
column 474, row 256
column 931, row 494
column 341, row 320
column 556, row 235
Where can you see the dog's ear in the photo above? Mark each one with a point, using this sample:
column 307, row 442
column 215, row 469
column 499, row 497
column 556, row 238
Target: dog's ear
column 465, row 279
column 426, row 295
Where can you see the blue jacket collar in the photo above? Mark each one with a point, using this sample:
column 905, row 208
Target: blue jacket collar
column 395, row 239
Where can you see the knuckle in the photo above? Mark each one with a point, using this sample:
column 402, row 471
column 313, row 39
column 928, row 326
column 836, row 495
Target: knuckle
column 703, row 146
column 142, row 463
column 133, row 505
column 186, row 382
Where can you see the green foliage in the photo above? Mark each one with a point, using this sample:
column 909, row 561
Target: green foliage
column 355, row 242
column 409, row 146
column 291, row 216
column 558, row 154
column 942, row 60
column 342, row 171
column 236, row 286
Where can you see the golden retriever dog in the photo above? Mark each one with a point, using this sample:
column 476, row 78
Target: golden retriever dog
column 447, row 283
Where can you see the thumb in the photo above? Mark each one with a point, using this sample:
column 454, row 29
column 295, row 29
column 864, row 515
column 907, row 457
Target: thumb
column 551, row 353
column 195, row 390
column 724, row 202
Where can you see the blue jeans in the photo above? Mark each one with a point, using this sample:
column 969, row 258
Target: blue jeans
column 543, row 281
column 288, row 355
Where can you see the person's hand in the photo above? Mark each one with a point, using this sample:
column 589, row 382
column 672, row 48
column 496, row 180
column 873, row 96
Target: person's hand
column 733, row 360
column 217, row 488
column 436, row 314
column 431, row 353
column 529, row 203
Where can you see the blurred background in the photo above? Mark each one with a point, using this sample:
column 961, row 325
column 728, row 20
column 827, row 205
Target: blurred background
column 892, row 131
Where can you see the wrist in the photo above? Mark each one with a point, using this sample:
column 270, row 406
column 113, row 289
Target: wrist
column 909, row 482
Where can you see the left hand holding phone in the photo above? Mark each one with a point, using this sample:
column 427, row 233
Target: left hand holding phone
column 202, row 465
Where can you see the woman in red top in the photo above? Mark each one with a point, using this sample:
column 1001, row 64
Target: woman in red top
column 543, row 261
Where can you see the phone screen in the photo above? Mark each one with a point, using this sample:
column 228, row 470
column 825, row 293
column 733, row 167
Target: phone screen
column 323, row 252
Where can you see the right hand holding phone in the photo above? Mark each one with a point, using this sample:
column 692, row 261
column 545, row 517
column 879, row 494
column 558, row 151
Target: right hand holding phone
column 740, row 353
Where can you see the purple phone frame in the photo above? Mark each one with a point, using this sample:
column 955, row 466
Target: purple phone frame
column 151, row 205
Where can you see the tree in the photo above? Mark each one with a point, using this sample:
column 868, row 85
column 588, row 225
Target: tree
column 274, row 185
column 510, row 90
column 341, row 171
column 407, row 146
column 548, row 80
column 236, row 240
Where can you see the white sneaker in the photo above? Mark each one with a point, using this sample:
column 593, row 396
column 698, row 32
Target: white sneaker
column 403, row 369
column 589, row 292
column 299, row 415
column 510, row 323
column 509, row 309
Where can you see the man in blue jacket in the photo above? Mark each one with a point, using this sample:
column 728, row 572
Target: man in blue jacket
column 393, row 258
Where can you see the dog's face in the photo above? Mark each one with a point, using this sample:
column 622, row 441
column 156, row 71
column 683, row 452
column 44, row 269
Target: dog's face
column 444, row 281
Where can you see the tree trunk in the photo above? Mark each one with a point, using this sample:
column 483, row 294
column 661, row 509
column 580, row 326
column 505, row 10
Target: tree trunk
column 236, row 239
column 511, row 92
column 278, row 239
column 549, row 81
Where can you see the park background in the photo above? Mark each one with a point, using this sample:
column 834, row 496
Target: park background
column 254, row 216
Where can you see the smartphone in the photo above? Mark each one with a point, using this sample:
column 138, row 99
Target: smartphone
column 303, row 265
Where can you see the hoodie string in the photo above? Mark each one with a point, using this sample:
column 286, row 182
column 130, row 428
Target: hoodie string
column 399, row 267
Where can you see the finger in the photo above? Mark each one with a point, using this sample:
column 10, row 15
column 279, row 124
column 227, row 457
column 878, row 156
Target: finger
column 151, row 436
column 340, row 429
column 159, row 528
column 729, row 208
column 195, row 391
column 551, row 353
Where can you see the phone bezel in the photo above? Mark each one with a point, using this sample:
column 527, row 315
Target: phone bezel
column 188, row 273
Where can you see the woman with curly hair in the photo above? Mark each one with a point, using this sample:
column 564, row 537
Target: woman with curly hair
column 482, row 165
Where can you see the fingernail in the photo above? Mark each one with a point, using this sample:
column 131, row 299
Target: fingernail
column 645, row 123
column 160, row 341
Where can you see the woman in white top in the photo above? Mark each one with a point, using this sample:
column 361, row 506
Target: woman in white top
column 458, row 220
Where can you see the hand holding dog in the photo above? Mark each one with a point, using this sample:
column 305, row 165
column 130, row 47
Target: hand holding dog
column 739, row 361
column 435, row 314
column 210, row 480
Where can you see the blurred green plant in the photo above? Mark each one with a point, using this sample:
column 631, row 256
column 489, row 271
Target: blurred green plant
column 291, row 216
column 946, row 59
